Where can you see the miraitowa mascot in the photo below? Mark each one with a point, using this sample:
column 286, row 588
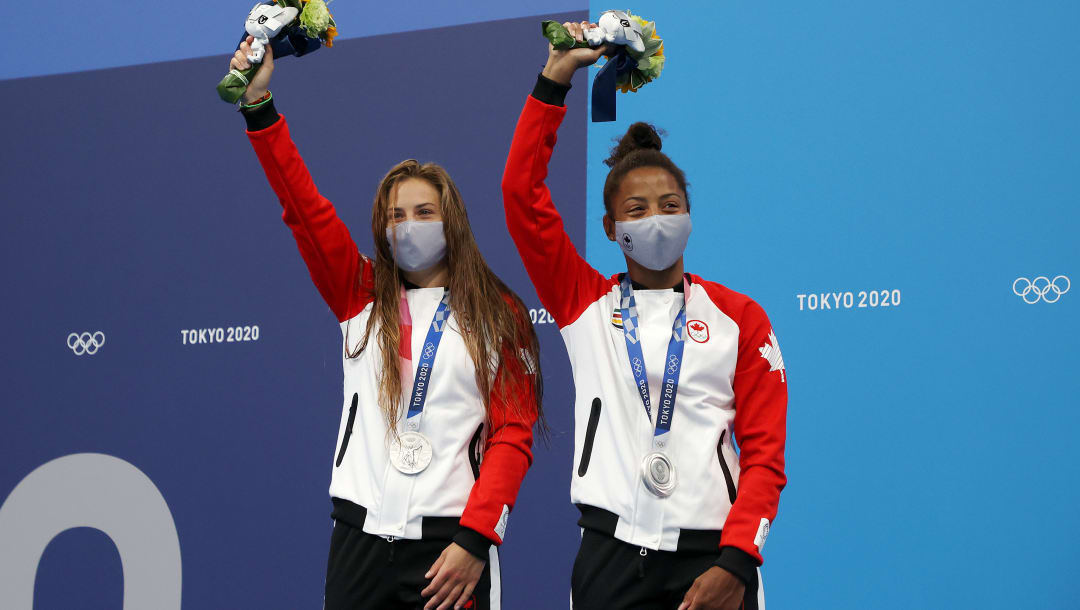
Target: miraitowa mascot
column 264, row 22
column 617, row 28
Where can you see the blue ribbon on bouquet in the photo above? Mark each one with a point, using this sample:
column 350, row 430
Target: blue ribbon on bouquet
column 603, row 87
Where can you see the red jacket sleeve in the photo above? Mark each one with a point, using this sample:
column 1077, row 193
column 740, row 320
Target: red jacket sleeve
column 760, row 430
column 507, row 456
column 565, row 283
column 344, row 278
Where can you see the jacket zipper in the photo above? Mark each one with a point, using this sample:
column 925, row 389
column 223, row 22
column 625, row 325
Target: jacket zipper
column 731, row 490
column 590, row 437
column 348, row 430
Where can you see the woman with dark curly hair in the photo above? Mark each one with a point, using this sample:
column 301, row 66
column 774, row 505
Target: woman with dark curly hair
column 671, row 370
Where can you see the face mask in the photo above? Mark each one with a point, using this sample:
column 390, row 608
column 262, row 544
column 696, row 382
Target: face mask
column 655, row 242
column 420, row 244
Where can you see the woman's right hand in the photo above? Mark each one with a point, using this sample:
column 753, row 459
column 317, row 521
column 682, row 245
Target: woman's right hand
column 260, row 83
column 561, row 65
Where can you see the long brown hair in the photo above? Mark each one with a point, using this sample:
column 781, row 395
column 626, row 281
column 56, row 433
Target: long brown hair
column 494, row 322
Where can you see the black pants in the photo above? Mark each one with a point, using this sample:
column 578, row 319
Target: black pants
column 366, row 571
column 610, row 574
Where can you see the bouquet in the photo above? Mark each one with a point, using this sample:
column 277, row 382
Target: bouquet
column 637, row 36
column 289, row 27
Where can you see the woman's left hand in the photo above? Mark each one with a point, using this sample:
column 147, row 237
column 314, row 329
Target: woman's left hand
column 453, row 578
column 715, row 589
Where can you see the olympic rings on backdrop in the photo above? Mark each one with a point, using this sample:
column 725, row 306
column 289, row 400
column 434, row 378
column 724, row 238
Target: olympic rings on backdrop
column 1041, row 288
column 85, row 343
column 637, row 366
column 429, row 349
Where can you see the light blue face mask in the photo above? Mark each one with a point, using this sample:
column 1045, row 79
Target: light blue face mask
column 655, row 242
column 417, row 245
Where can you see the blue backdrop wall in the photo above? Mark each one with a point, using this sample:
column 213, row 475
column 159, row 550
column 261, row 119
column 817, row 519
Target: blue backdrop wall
column 879, row 179
column 917, row 159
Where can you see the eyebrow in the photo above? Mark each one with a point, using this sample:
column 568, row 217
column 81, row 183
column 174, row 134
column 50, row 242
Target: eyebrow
column 664, row 196
column 419, row 205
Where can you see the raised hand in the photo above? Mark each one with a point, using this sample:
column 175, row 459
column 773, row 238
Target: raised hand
column 261, row 81
column 562, row 64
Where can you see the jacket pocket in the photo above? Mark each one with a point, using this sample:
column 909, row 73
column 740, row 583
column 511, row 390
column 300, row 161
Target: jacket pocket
column 476, row 452
column 590, row 437
column 731, row 491
column 348, row 430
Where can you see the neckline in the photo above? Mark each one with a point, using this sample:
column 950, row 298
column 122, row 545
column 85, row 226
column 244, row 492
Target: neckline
column 409, row 286
column 677, row 287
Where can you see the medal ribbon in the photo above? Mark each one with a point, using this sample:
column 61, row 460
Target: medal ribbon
column 427, row 364
column 672, row 364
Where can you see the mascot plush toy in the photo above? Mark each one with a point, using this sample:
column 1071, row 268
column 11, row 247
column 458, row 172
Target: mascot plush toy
column 264, row 22
column 617, row 28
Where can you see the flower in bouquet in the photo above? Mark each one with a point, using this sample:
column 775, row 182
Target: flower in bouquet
column 650, row 62
column 317, row 22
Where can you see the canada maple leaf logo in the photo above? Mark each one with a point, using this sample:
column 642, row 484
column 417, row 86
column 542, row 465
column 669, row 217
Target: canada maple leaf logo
column 771, row 352
column 698, row 330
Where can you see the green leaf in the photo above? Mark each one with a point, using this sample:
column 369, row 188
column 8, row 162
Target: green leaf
column 559, row 36
column 652, row 45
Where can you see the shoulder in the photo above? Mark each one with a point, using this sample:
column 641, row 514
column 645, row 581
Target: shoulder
column 735, row 305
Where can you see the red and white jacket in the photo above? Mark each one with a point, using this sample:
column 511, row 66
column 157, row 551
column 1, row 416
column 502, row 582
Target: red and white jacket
column 732, row 385
column 468, row 490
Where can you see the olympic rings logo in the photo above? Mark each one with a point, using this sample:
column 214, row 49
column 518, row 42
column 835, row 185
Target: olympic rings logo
column 85, row 343
column 1041, row 288
column 637, row 366
column 429, row 349
column 672, row 364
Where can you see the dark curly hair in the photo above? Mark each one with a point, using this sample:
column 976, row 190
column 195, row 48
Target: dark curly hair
column 639, row 147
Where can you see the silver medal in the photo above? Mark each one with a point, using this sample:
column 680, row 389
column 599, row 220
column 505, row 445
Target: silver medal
column 410, row 452
column 658, row 474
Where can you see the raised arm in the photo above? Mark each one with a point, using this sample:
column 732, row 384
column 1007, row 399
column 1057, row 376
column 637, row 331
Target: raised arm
column 565, row 283
column 343, row 277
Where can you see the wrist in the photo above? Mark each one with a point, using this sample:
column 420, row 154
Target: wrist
column 252, row 95
column 473, row 542
column 740, row 563
column 559, row 71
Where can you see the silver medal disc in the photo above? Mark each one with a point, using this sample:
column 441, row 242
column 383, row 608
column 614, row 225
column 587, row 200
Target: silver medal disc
column 658, row 474
column 410, row 452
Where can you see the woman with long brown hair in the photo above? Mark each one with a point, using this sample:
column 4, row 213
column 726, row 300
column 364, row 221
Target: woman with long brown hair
column 442, row 387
